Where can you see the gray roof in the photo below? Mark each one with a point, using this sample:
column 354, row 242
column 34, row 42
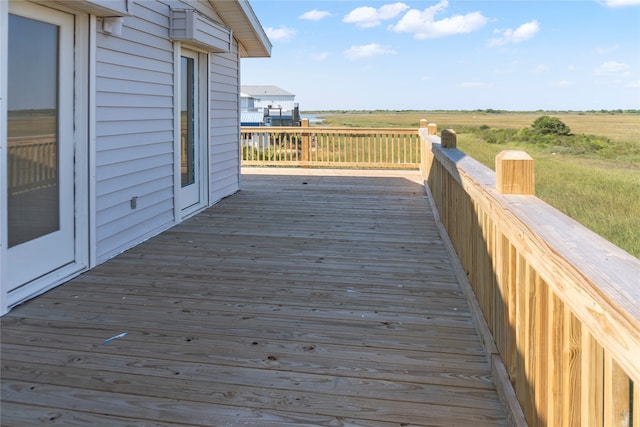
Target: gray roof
column 264, row 91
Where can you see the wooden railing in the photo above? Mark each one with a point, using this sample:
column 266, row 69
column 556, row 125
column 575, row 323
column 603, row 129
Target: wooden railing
column 562, row 304
column 397, row 148
column 31, row 163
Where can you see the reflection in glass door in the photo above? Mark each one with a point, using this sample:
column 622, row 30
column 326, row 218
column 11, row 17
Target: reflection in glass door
column 187, row 120
column 40, row 157
column 32, row 130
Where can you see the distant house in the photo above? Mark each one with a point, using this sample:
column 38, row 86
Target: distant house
column 276, row 105
column 249, row 114
column 269, row 96
column 247, row 102
column 118, row 119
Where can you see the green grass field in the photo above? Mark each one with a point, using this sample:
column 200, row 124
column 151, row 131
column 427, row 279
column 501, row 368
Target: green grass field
column 617, row 127
column 599, row 189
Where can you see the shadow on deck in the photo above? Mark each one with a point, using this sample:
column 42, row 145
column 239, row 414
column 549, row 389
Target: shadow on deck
column 310, row 298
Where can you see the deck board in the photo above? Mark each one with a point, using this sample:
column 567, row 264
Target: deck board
column 309, row 298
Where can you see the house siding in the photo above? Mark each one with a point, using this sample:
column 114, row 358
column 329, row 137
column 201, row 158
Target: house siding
column 134, row 131
column 224, row 124
column 135, row 127
column 126, row 161
column 284, row 102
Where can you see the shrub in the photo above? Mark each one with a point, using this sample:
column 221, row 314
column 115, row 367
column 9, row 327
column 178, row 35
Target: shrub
column 547, row 125
column 552, row 135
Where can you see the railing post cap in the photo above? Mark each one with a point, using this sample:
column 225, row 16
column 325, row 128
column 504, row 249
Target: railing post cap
column 513, row 155
column 515, row 173
column 448, row 138
column 424, row 123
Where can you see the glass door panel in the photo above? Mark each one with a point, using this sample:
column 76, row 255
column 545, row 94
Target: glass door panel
column 192, row 136
column 187, row 120
column 40, row 174
column 33, row 198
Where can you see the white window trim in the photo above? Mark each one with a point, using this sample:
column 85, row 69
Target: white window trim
column 91, row 144
column 205, row 99
column 4, row 54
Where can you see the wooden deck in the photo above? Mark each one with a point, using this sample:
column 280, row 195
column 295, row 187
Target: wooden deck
column 313, row 298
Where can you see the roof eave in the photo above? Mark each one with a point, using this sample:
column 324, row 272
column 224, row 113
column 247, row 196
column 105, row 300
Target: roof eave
column 239, row 16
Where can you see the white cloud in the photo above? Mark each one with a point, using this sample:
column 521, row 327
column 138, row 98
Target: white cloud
column 315, row 15
column 280, row 34
column 423, row 24
column 320, row 56
column 367, row 17
column 634, row 84
column 474, row 85
column 367, row 51
column 524, row 32
column 612, row 68
column 622, row 3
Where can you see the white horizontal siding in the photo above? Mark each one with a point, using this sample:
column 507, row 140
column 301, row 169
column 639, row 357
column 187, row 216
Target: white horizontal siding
column 153, row 218
column 150, row 76
column 147, row 177
column 225, row 124
column 110, row 114
column 122, row 86
column 134, row 131
column 115, row 142
column 132, row 100
column 117, row 160
column 114, row 58
column 135, row 126
column 148, row 187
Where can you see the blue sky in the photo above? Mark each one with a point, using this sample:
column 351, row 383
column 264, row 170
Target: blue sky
column 452, row 55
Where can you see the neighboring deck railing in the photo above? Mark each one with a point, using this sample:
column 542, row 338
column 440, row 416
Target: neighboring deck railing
column 397, row 148
column 31, row 163
column 562, row 303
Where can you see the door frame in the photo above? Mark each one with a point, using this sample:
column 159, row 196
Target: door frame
column 83, row 135
column 181, row 213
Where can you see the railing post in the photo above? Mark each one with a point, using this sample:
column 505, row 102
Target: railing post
column 448, row 138
column 432, row 128
column 515, row 173
column 306, row 147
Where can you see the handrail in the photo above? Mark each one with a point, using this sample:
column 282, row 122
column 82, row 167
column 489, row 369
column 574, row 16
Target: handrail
column 562, row 303
column 31, row 163
column 396, row 148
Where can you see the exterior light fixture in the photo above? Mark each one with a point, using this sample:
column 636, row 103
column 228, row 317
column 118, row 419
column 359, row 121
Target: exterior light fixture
column 112, row 25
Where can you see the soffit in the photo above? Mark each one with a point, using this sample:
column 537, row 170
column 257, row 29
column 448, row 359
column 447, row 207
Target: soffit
column 242, row 20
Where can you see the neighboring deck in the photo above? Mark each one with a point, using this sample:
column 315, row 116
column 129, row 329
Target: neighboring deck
column 310, row 298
